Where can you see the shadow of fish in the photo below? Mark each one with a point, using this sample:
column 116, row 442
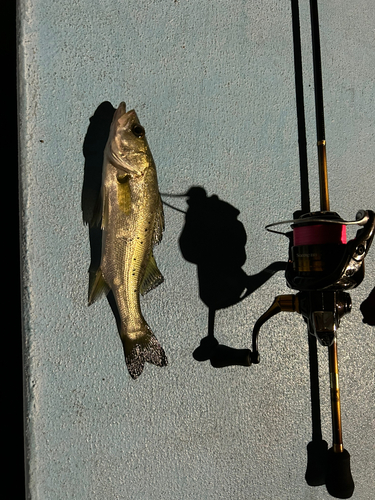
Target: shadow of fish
column 130, row 212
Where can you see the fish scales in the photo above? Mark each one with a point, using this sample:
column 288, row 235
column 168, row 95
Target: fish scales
column 132, row 222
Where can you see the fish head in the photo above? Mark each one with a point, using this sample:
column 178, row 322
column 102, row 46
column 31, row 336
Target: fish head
column 127, row 148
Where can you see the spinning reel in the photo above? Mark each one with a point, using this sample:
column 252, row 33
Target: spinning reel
column 321, row 266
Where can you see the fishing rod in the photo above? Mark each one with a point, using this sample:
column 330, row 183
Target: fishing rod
column 321, row 266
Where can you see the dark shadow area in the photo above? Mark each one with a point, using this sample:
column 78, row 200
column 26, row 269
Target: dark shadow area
column 368, row 309
column 300, row 108
column 93, row 150
column 13, row 398
column 317, row 447
column 214, row 240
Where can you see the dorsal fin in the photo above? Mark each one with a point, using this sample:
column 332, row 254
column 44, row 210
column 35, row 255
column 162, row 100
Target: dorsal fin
column 97, row 287
column 159, row 224
column 105, row 207
column 96, row 215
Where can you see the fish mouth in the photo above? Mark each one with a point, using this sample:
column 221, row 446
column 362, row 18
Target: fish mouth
column 126, row 117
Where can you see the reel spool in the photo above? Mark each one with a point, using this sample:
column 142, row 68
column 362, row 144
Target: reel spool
column 317, row 246
column 320, row 258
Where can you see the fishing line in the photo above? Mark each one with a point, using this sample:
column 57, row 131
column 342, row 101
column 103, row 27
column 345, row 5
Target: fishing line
column 173, row 207
column 182, row 195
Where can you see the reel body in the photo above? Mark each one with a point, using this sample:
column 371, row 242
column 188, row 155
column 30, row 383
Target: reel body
column 320, row 258
column 322, row 265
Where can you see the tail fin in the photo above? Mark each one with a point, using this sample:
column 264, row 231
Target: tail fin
column 144, row 348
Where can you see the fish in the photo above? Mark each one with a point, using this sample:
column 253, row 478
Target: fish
column 130, row 214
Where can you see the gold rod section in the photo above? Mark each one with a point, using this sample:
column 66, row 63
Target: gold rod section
column 323, row 176
column 338, row 446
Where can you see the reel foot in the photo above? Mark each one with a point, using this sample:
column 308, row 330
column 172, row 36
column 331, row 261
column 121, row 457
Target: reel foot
column 339, row 481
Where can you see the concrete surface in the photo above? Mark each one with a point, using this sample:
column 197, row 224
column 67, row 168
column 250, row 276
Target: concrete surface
column 213, row 85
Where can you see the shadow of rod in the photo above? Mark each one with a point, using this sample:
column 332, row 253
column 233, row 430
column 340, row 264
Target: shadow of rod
column 317, row 448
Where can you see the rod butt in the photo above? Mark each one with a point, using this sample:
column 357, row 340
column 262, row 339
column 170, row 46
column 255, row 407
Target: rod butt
column 339, row 481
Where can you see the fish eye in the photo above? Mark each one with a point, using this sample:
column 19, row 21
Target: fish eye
column 138, row 130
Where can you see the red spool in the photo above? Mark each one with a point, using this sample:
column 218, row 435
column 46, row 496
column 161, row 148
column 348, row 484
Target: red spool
column 319, row 234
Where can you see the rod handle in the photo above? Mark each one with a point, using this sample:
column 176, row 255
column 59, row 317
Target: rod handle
column 339, row 480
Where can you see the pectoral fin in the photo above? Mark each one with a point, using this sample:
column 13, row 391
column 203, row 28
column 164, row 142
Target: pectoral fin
column 97, row 287
column 123, row 194
column 152, row 277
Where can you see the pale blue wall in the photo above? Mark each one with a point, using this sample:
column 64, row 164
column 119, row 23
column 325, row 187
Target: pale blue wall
column 213, row 84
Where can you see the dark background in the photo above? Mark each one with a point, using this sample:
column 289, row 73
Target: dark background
column 12, row 407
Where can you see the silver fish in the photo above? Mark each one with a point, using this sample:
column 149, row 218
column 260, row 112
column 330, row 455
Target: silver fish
column 132, row 222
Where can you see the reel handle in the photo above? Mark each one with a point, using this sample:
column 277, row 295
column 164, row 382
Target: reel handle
column 287, row 303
